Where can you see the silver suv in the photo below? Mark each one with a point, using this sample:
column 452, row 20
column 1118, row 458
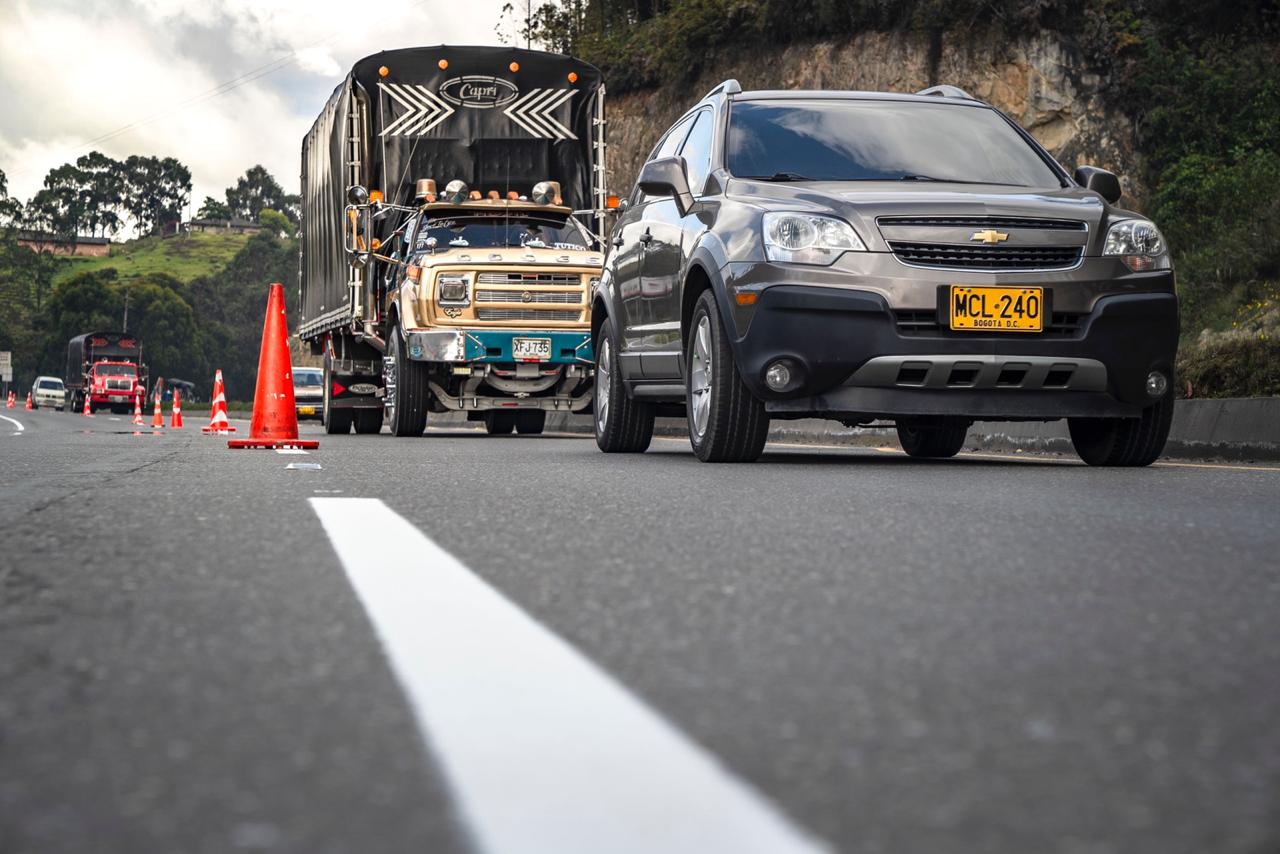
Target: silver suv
column 871, row 257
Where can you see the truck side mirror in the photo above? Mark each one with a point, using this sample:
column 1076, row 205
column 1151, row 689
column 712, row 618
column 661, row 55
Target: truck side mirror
column 357, row 195
column 1102, row 182
column 666, row 177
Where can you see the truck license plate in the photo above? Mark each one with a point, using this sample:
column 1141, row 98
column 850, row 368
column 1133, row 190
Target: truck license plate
column 531, row 349
column 997, row 309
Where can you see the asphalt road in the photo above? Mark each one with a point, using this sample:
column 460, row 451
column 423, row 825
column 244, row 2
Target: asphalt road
column 987, row 654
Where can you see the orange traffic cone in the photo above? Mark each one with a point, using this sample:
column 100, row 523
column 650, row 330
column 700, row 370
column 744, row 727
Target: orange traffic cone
column 275, row 420
column 137, row 410
column 218, row 422
column 175, row 417
column 28, row 401
column 12, row 402
column 87, row 412
column 157, row 418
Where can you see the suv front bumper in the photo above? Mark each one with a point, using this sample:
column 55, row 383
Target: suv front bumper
column 858, row 360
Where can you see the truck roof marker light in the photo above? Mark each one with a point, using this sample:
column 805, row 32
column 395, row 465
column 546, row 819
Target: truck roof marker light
column 475, row 196
column 513, row 196
column 573, row 77
column 515, row 66
column 493, row 196
column 383, row 71
column 444, row 63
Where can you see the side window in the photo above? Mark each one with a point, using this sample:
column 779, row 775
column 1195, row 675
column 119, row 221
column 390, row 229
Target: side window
column 697, row 152
column 669, row 145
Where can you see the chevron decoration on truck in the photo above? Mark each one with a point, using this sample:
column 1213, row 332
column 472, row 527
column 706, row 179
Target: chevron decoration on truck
column 533, row 112
column 424, row 109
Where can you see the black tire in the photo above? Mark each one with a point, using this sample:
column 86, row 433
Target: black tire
column 623, row 425
column 727, row 423
column 531, row 422
column 935, row 438
column 1124, row 441
column 407, row 391
column 498, row 422
column 368, row 421
column 337, row 422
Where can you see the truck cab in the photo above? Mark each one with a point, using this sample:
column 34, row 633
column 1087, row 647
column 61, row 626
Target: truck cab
column 490, row 305
column 113, row 385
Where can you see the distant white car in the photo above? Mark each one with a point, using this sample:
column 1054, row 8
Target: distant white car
column 308, row 392
column 49, row 392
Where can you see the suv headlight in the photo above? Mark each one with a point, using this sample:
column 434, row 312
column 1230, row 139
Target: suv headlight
column 452, row 288
column 1138, row 243
column 808, row 239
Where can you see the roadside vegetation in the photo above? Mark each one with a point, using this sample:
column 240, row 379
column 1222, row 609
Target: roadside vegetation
column 1202, row 85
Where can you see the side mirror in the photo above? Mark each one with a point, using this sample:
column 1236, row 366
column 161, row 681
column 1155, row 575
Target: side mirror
column 666, row 177
column 1102, row 182
column 357, row 195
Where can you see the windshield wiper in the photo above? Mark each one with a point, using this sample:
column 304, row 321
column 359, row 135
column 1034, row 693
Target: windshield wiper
column 779, row 176
column 911, row 177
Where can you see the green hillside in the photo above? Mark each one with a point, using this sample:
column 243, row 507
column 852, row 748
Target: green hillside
column 184, row 257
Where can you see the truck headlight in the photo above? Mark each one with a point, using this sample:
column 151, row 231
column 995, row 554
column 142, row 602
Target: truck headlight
column 808, row 239
column 1138, row 243
column 452, row 288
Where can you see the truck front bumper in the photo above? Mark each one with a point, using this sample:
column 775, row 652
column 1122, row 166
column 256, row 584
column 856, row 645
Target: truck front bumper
column 572, row 347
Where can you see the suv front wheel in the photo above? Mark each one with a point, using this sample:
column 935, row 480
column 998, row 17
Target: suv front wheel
column 727, row 423
column 1124, row 441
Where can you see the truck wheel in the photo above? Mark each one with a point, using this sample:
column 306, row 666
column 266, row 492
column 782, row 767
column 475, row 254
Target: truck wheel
column 623, row 425
column 1124, row 441
column 337, row 422
column 727, row 423
column 407, row 390
column 932, row 437
column 531, row 422
column 499, row 423
column 368, row 421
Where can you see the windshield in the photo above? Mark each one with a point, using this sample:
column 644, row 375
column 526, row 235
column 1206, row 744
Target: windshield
column 875, row 140
column 54, row 385
column 307, row 379
column 103, row 370
column 545, row 231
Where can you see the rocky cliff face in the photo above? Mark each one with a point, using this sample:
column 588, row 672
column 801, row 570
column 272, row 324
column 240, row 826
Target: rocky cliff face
column 1038, row 81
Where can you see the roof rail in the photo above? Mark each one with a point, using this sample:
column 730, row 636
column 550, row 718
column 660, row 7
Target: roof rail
column 728, row 87
column 947, row 92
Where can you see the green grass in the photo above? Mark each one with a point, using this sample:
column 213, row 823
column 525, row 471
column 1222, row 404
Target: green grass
column 184, row 258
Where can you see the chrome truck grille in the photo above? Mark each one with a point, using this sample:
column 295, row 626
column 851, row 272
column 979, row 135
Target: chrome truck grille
column 530, row 297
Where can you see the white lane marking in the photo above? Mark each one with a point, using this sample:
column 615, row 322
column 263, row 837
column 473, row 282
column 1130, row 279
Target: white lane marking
column 291, row 451
column 15, row 422
column 544, row 751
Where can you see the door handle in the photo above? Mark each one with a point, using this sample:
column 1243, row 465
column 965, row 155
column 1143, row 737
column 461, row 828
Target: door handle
column 646, row 237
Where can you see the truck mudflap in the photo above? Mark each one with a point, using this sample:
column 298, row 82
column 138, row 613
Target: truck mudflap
column 572, row 347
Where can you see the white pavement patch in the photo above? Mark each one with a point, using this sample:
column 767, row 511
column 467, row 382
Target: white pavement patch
column 544, row 751
column 15, row 422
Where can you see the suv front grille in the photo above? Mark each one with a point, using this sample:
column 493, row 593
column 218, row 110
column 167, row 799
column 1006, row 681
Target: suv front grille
column 921, row 323
column 983, row 222
column 527, row 314
column 987, row 257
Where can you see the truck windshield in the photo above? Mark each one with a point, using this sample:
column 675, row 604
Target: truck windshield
column 879, row 140
column 489, row 232
column 115, row 370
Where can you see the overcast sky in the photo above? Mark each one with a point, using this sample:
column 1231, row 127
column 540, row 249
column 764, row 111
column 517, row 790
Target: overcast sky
column 72, row 71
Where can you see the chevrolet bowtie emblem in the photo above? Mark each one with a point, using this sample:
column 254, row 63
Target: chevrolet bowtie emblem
column 990, row 236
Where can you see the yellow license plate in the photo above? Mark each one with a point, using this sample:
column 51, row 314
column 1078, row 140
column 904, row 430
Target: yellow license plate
column 977, row 309
column 306, row 410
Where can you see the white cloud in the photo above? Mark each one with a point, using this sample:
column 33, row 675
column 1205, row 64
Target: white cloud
column 72, row 74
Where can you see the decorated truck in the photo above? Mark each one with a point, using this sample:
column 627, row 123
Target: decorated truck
column 107, row 367
column 453, row 221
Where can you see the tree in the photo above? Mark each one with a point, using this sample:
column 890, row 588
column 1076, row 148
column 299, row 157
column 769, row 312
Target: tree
column 276, row 222
column 103, row 180
column 155, row 191
column 255, row 190
column 10, row 209
column 211, row 208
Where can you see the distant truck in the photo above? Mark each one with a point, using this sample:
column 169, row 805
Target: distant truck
column 453, row 222
column 107, row 367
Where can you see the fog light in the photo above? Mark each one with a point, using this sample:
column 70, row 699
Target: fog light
column 777, row 376
column 1157, row 384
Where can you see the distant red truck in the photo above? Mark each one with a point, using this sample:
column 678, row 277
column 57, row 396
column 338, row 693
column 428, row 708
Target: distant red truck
column 106, row 366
